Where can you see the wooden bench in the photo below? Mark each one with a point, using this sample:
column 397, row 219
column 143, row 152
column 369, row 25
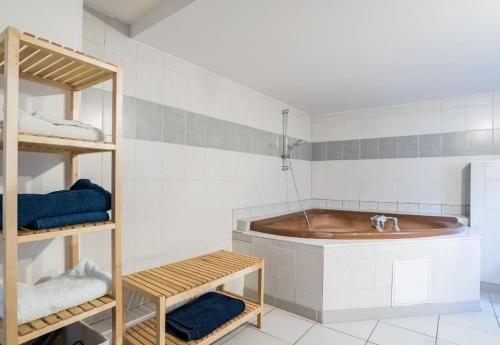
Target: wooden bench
column 184, row 280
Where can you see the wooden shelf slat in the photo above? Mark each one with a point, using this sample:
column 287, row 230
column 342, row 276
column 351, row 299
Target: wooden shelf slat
column 25, row 236
column 36, row 328
column 52, row 144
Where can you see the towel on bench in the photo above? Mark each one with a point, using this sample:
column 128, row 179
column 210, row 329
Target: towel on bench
column 202, row 316
column 84, row 196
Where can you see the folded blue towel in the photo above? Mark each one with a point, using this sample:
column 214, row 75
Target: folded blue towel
column 202, row 316
column 82, row 197
column 69, row 219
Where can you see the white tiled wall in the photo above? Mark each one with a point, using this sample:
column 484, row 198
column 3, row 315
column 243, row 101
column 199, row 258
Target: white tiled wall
column 417, row 185
column 485, row 216
column 474, row 112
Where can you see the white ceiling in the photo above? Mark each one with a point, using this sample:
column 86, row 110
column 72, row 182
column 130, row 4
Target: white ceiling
column 126, row 11
column 324, row 56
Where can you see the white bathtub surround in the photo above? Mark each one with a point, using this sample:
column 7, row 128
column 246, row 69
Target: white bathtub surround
column 345, row 280
column 485, row 217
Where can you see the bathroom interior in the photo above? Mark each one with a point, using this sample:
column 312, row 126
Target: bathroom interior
column 271, row 172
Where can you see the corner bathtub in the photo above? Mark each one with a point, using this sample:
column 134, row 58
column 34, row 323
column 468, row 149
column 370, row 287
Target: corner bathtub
column 352, row 225
column 345, row 271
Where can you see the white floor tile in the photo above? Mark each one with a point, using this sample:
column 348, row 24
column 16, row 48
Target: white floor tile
column 426, row 325
column 495, row 297
column 285, row 326
column 386, row 334
column 319, row 335
column 360, row 329
column 476, row 321
column 466, row 336
column 485, row 303
column 230, row 335
column 251, row 336
column 444, row 342
column 267, row 309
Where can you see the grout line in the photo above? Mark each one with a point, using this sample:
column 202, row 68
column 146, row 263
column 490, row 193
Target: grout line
column 437, row 329
column 408, row 329
column 239, row 330
column 373, row 330
column 314, row 324
column 497, row 317
column 336, row 330
column 272, row 336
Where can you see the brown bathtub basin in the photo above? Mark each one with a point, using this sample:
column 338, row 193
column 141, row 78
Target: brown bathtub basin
column 351, row 225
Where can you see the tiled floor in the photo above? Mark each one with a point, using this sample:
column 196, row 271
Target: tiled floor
column 281, row 328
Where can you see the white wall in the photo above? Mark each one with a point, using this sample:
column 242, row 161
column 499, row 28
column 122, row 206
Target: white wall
column 57, row 20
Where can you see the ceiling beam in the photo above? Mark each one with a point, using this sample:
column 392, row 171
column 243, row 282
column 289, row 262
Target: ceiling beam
column 157, row 14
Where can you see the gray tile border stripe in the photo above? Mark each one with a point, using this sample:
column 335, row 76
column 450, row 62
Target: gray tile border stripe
column 465, row 143
column 152, row 121
column 146, row 120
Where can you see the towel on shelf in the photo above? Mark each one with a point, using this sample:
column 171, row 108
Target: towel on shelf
column 202, row 316
column 81, row 284
column 42, row 124
column 83, row 197
column 68, row 219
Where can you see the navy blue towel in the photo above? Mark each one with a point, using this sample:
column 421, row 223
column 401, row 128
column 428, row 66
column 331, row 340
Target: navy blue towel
column 70, row 219
column 202, row 316
column 82, row 197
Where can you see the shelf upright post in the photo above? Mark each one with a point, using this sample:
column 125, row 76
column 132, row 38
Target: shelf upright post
column 72, row 176
column 116, row 235
column 10, row 169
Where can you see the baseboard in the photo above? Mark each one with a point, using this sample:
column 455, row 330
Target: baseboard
column 361, row 314
column 379, row 313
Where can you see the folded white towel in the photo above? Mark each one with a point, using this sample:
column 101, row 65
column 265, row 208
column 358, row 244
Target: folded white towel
column 81, row 284
column 39, row 123
column 60, row 122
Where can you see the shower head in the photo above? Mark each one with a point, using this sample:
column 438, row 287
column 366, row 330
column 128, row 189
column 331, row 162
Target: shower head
column 294, row 146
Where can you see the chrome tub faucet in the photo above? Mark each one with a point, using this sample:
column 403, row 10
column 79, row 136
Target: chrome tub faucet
column 378, row 223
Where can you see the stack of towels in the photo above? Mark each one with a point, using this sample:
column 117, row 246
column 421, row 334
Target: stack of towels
column 84, row 202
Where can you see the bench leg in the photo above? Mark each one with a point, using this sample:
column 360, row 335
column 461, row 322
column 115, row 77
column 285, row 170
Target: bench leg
column 260, row 294
column 160, row 321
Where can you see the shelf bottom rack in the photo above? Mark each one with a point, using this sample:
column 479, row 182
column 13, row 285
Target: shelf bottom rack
column 144, row 333
column 36, row 328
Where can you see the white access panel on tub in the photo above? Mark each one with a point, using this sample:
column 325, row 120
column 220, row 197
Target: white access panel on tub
column 411, row 282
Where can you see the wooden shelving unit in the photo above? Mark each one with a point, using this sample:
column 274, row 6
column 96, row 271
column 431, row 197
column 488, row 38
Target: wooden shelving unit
column 24, row 56
column 183, row 280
